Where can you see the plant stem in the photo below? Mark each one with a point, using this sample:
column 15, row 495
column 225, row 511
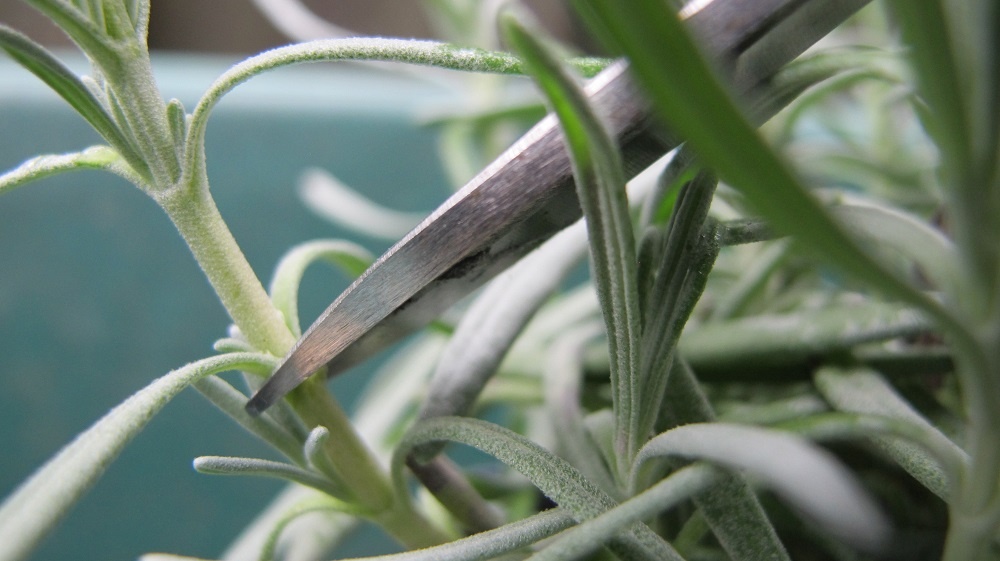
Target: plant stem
column 196, row 217
column 360, row 470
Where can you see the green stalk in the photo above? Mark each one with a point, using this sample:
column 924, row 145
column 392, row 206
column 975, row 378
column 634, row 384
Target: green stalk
column 358, row 467
column 196, row 217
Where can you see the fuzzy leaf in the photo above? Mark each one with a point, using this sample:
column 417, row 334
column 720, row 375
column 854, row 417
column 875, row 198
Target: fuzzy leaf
column 138, row 11
column 307, row 506
column 552, row 475
column 317, row 459
column 971, row 169
column 231, row 401
column 861, row 390
column 68, row 85
column 730, row 507
column 284, row 290
column 39, row 503
column 177, row 119
column 891, row 228
column 219, row 465
column 807, row 476
column 690, row 246
column 490, row 544
column 307, row 537
column 429, row 53
column 783, row 345
column 600, row 183
column 40, row 167
column 563, row 381
column 589, row 535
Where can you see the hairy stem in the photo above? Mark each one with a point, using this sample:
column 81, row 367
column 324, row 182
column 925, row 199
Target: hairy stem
column 194, row 213
column 197, row 219
column 357, row 466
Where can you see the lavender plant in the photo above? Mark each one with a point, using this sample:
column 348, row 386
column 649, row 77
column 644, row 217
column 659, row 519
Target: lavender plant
column 759, row 358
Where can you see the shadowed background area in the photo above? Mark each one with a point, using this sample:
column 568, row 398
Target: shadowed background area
column 236, row 26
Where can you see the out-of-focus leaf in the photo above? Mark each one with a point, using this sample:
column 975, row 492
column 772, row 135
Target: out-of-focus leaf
column 284, row 290
column 808, row 477
column 330, row 198
column 785, row 345
column 861, row 390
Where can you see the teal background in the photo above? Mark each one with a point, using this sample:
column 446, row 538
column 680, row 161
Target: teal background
column 99, row 295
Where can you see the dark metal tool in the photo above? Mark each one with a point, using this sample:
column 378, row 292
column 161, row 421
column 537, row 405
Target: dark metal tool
column 527, row 194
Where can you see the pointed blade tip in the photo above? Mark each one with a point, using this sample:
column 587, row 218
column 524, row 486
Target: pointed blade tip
column 285, row 379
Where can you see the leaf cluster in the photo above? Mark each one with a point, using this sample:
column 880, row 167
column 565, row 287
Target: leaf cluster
column 757, row 352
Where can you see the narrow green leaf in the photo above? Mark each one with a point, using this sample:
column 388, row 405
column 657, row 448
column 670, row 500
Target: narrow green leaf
column 590, row 535
column 331, row 199
column 309, row 505
column 80, row 28
column 773, row 412
column 219, row 465
column 490, row 544
column 310, row 537
column 177, row 119
column 40, row 62
column 730, row 508
column 784, row 345
column 687, row 94
column 232, row 345
column 860, row 390
column 681, row 269
column 140, row 16
column 40, row 502
column 449, row 485
column 318, row 460
column 600, row 183
column 563, row 388
column 805, row 475
column 116, row 21
column 40, row 167
column 680, row 170
column 313, row 447
column 751, row 281
column 231, row 401
column 942, row 81
column 814, row 77
column 552, row 475
column 442, row 55
column 897, row 230
column 284, row 289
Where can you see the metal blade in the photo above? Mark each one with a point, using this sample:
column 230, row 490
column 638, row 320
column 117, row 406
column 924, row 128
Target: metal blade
column 527, row 194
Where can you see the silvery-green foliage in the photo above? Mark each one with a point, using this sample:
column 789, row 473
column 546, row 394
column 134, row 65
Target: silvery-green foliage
column 747, row 284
